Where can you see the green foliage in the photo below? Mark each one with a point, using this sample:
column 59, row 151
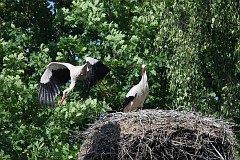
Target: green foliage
column 191, row 49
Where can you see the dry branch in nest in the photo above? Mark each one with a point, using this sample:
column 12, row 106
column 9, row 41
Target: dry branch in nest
column 158, row 134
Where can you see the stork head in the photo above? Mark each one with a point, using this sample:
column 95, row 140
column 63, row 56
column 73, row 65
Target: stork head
column 143, row 68
column 65, row 93
column 82, row 72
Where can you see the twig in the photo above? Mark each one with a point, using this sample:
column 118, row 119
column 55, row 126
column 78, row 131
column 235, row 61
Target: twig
column 217, row 152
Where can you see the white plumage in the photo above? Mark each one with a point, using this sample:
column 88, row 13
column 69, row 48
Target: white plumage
column 58, row 73
column 137, row 94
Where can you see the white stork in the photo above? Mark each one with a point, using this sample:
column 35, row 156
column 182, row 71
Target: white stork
column 137, row 94
column 57, row 74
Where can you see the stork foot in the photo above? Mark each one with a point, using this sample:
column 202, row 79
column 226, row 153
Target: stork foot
column 111, row 93
column 103, row 94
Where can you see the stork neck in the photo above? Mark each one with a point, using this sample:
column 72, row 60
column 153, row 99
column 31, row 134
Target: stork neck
column 70, row 88
column 72, row 85
column 144, row 77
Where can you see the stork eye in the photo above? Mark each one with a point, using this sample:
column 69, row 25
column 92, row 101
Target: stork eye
column 65, row 93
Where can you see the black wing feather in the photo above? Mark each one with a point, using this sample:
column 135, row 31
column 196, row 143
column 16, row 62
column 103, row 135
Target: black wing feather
column 128, row 100
column 51, row 93
column 96, row 72
column 100, row 70
column 48, row 91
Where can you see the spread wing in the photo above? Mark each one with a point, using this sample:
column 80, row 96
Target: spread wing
column 55, row 75
column 95, row 72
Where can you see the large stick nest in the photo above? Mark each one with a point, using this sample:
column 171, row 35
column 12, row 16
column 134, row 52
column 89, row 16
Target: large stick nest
column 158, row 134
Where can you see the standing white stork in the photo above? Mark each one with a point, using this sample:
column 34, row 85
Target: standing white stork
column 57, row 74
column 137, row 94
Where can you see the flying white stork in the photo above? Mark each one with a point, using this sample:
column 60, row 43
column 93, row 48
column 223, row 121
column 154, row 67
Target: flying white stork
column 57, row 74
column 137, row 94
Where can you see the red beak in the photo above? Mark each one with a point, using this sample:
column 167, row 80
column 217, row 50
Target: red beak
column 143, row 70
column 63, row 98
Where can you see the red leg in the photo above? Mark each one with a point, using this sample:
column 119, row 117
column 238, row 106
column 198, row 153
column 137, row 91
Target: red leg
column 130, row 109
column 103, row 94
column 140, row 108
column 110, row 92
